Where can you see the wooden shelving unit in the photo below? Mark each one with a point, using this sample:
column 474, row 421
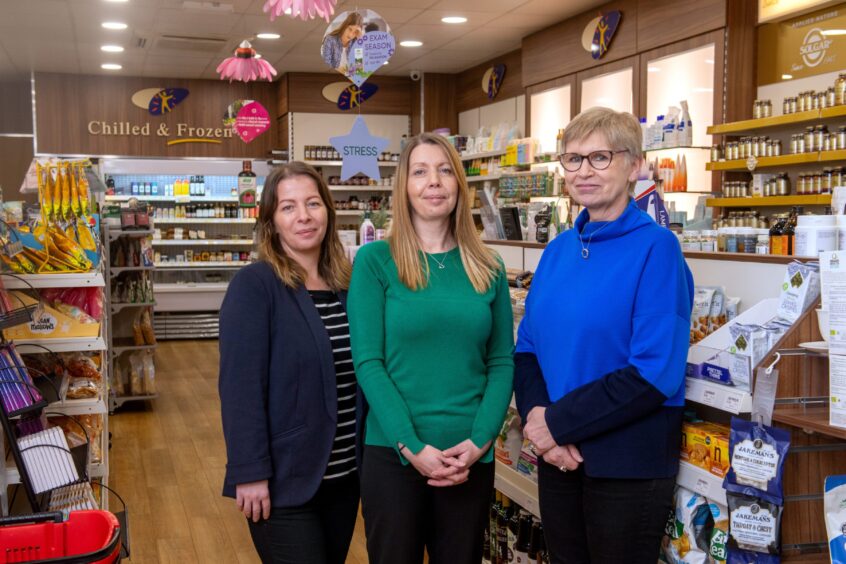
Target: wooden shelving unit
column 813, row 419
column 740, row 165
column 812, row 200
column 799, row 118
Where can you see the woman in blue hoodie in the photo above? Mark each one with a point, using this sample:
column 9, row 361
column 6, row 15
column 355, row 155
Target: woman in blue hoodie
column 600, row 357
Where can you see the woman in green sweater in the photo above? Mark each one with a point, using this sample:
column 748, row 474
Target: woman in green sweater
column 432, row 341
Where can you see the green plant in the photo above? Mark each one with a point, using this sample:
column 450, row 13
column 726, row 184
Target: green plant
column 379, row 219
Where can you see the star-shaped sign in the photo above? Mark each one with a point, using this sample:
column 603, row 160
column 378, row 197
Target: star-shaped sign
column 359, row 150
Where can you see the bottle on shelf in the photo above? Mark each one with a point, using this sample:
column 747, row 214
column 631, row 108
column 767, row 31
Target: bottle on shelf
column 502, row 530
column 789, row 233
column 776, row 234
column 524, row 532
column 367, row 232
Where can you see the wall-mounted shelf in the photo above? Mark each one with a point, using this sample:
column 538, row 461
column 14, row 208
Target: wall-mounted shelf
column 701, row 481
column 342, row 188
column 200, row 242
column 484, row 155
column 24, row 281
column 484, row 178
column 356, row 212
column 753, row 125
column 70, row 344
column 810, row 418
column 740, row 165
column 812, row 200
column 204, row 264
column 682, row 147
column 725, row 398
column 115, row 270
column 177, row 199
column 196, row 220
column 340, row 163
column 518, row 487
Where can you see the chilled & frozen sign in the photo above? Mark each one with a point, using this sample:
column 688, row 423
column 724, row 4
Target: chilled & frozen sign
column 183, row 132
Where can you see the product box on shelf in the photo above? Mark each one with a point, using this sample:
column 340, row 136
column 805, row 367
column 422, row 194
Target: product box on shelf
column 706, row 445
column 49, row 323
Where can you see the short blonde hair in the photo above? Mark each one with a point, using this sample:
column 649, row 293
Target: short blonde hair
column 621, row 130
column 480, row 262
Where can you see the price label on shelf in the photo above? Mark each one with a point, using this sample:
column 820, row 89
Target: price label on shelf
column 732, row 403
column 709, row 397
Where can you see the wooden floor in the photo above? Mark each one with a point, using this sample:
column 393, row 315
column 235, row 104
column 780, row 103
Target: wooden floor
column 167, row 462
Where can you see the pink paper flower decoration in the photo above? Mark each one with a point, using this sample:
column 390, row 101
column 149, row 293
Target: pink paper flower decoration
column 303, row 9
column 245, row 66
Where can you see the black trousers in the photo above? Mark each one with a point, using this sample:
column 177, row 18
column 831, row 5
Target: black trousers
column 602, row 520
column 318, row 532
column 403, row 514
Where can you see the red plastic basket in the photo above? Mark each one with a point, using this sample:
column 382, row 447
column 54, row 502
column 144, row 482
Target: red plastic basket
column 86, row 537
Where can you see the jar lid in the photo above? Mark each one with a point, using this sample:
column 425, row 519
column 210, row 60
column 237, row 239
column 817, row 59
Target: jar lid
column 816, row 221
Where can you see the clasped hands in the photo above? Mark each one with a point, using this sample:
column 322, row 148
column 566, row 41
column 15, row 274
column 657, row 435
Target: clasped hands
column 448, row 467
column 565, row 457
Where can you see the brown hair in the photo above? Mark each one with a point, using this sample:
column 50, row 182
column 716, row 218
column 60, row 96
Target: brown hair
column 479, row 261
column 354, row 18
column 334, row 267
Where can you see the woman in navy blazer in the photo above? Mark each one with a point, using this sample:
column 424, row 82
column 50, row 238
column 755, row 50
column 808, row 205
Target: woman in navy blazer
column 287, row 387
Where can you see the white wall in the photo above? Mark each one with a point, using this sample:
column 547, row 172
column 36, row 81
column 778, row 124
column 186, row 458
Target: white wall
column 508, row 111
column 550, row 111
column 316, row 129
column 749, row 281
column 778, row 91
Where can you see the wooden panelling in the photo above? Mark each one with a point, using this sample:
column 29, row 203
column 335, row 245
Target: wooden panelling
column 16, row 113
column 66, row 104
column 660, row 22
column 468, row 84
column 15, row 158
column 631, row 62
column 557, row 50
column 284, row 132
column 740, row 60
column 305, row 94
column 439, row 100
column 416, row 107
column 282, row 96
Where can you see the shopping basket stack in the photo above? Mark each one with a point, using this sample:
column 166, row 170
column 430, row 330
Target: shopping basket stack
column 85, row 537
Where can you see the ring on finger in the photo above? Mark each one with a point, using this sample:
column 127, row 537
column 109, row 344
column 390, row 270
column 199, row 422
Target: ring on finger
column 562, row 468
column 532, row 448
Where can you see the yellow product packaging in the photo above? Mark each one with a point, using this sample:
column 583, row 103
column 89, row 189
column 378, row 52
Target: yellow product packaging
column 706, row 445
column 49, row 323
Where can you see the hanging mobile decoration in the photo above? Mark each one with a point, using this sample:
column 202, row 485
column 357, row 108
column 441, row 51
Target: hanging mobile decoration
column 303, row 9
column 245, row 66
column 357, row 44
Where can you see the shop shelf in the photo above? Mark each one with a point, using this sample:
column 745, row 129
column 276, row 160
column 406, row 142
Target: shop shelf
column 485, row 155
column 191, row 287
column 519, row 488
column 810, row 200
column 740, row 165
column 725, row 398
column 178, row 199
column 118, row 401
column 24, row 281
column 752, row 125
column 115, row 233
column 78, row 407
column 808, row 418
column 195, row 220
column 200, row 264
column 340, row 163
column 115, row 270
column 342, row 188
column 200, row 242
column 701, row 481
column 121, row 346
column 681, row 147
column 483, row 178
column 116, row 307
column 833, row 112
column 70, row 344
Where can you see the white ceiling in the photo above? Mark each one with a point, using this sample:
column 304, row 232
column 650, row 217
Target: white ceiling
column 65, row 35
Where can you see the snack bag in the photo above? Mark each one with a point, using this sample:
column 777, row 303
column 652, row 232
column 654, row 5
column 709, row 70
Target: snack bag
column 800, row 288
column 136, row 375
column 754, row 526
column 717, row 314
column 118, row 380
column 835, row 517
column 689, row 529
column 700, row 314
column 757, row 460
column 147, row 328
column 137, row 332
column 719, row 534
column 509, row 441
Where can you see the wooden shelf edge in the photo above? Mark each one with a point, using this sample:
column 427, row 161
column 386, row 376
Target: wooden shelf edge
column 796, row 200
column 809, row 418
column 750, row 125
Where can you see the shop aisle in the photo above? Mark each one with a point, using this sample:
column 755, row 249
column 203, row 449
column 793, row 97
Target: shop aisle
column 167, row 461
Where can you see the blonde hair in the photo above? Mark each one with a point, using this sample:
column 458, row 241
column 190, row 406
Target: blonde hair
column 334, row 267
column 480, row 263
column 621, row 130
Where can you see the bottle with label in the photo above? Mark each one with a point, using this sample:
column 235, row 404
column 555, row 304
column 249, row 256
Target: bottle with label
column 535, row 541
column 492, row 514
column 524, row 532
column 776, row 232
column 247, row 186
column 513, row 527
column 502, row 530
column 789, row 236
column 367, row 231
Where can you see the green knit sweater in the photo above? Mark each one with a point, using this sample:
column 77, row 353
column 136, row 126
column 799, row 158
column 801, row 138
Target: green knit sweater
column 435, row 364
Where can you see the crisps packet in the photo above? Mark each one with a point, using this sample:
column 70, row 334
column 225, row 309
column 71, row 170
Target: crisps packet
column 757, row 460
column 717, row 544
column 835, row 517
column 754, row 527
column 688, row 530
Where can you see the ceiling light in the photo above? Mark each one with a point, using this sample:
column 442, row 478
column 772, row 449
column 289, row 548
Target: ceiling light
column 268, row 36
column 114, row 25
column 454, row 19
column 110, row 66
column 411, row 43
column 787, row 77
column 709, row 61
column 831, row 32
column 112, row 48
column 653, row 69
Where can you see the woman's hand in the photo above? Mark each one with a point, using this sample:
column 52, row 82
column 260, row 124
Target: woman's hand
column 253, row 499
column 537, row 432
column 565, row 457
column 467, row 452
column 432, row 463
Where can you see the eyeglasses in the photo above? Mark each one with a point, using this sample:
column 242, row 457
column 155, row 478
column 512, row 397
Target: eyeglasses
column 600, row 160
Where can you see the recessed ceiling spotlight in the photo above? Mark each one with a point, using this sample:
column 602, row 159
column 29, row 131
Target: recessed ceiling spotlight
column 114, row 25
column 110, row 66
column 112, row 48
column 411, row 43
column 454, row 20
column 268, row 36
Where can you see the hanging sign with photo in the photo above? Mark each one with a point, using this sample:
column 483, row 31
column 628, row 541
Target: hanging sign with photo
column 247, row 118
column 357, row 44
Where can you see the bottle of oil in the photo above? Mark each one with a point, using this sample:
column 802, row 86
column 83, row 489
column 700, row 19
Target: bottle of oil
column 524, row 532
column 776, row 232
column 789, row 237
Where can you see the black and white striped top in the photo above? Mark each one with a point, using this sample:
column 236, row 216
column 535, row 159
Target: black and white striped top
column 342, row 458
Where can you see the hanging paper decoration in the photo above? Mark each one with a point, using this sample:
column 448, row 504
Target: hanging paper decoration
column 245, row 66
column 357, row 44
column 353, row 96
column 252, row 120
column 359, row 150
column 303, row 9
column 492, row 80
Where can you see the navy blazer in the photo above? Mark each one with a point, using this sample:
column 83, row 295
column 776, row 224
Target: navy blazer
column 278, row 389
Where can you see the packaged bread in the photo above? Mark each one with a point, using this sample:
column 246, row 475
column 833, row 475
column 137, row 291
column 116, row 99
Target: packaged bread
column 147, row 327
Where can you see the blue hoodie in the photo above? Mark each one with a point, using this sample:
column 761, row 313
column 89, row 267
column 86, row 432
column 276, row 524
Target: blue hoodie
column 604, row 343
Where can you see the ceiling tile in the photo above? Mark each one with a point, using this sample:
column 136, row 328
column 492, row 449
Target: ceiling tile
column 556, row 10
column 496, row 6
column 474, row 19
column 202, row 24
column 432, row 36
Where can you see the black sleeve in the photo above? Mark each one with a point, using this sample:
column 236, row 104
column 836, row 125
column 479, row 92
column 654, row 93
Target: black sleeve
column 608, row 403
column 529, row 385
